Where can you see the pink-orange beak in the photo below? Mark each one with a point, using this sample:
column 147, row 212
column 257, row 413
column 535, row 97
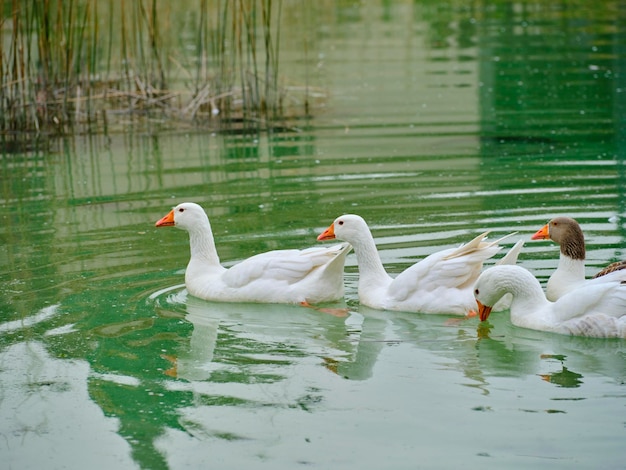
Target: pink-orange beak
column 542, row 234
column 328, row 234
column 483, row 311
column 166, row 221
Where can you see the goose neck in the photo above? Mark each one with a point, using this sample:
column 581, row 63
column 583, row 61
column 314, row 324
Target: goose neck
column 528, row 296
column 368, row 259
column 575, row 266
column 202, row 245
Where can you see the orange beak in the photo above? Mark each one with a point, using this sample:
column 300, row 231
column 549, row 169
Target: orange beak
column 167, row 220
column 328, row 234
column 542, row 234
column 483, row 311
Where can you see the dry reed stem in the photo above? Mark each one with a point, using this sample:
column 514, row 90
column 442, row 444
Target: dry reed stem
column 61, row 54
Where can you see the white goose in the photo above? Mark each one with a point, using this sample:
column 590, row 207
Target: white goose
column 597, row 309
column 440, row 283
column 570, row 272
column 283, row 276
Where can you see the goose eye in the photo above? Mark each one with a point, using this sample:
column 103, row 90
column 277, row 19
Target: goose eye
column 340, row 222
column 476, row 292
column 181, row 210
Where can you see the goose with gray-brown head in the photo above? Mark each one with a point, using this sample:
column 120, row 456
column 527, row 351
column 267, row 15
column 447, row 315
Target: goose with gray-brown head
column 570, row 272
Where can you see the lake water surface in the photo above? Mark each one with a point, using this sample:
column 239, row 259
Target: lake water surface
column 435, row 122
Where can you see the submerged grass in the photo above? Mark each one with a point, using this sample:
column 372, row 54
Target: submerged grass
column 86, row 65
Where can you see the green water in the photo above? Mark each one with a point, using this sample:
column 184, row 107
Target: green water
column 437, row 121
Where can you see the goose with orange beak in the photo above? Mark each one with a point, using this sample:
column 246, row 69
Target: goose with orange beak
column 598, row 309
column 440, row 283
column 306, row 276
column 570, row 271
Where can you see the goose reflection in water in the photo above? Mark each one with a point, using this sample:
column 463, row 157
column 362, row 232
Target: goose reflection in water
column 259, row 337
column 564, row 377
column 534, row 350
column 253, row 342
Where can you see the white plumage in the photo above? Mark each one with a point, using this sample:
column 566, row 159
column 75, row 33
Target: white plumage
column 440, row 283
column 596, row 309
column 282, row 276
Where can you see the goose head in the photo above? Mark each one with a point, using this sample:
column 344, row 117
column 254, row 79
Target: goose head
column 567, row 233
column 348, row 227
column 495, row 282
column 186, row 216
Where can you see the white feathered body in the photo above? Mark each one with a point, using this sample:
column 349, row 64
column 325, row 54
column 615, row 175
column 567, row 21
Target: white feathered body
column 596, row 309
column 312, row 275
